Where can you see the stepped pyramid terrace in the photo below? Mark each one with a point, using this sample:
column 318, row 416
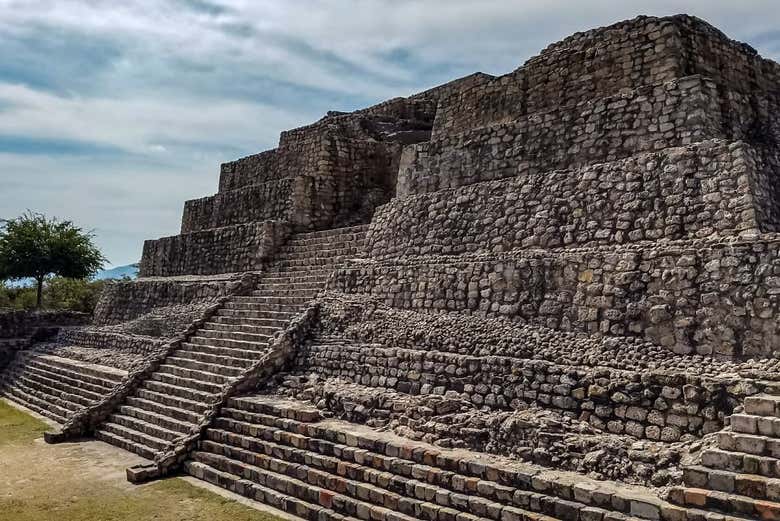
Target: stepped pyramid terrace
column 552, row 294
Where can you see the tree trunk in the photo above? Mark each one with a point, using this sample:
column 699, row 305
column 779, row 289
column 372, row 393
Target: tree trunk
column 40, row 294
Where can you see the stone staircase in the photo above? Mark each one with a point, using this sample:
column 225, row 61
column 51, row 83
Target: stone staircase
column 171, row 403
column 282, row 453
column 741, row 477
column 57, row 387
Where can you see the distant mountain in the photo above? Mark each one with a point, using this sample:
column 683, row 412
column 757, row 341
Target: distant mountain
column 130, row 271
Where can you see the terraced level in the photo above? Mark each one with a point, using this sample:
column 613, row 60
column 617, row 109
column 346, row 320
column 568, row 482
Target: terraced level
column 170, row 404
column 58, row 387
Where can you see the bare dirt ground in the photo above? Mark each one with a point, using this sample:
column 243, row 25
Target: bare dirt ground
column 85, row 481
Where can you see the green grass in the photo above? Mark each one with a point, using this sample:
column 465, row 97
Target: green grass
column 16, row 426
column 40, row 482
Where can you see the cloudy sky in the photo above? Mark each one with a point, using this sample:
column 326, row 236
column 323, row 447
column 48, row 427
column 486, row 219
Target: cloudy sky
column 114, row 113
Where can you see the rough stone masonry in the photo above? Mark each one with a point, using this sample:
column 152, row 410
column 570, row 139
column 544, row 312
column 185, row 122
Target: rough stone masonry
column 548, row 294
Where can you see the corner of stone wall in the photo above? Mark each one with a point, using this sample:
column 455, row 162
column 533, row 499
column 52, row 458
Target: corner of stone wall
column 413, row 164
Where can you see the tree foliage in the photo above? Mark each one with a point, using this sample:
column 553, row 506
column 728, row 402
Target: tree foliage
column 38, row 247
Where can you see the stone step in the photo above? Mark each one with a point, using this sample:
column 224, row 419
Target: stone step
column 379, row 450
column 175, row 413
column 725, row 502
column 238, row 461
column 124, row 443
column 264, row 313
column 239, row 485
column 141, row 438
column 255, row 338
column 208, row 361
column 178, row 390
column 45, row 397
column 253, row 303
column 76, row 399
column 150, row 429
column 191, row 383
column 201, row 376
column 271, row 319
column 86, row 397
column 164, row 420
column 275, row 407
column 292, row 264
column 753, row 424
column 83, row 368
column 749, row 443
column 269, row 327
column 72, row 379
column 763, row 405
column 41, row 406
column 749, row 485
column 282, row 275
column 73, row 373
column 265, row 292
column 172, row 401
column 248, row 356
column 741, row 462
column 297, row 251
column 291, row 283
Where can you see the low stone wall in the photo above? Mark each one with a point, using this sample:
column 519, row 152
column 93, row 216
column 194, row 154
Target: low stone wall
column 266, row 201
column 232, row 249
column 713, row 298
column 697, row 191
column 96, row 338
column 15, row 324
column 124, row 301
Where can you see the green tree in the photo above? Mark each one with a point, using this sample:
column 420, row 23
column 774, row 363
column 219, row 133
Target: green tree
column 38, row 247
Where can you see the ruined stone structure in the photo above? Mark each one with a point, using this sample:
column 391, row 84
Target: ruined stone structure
column 552, row 294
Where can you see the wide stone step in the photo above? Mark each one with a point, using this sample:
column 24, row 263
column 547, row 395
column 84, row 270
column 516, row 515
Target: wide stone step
column 172, row 401
column 72, row 380
column 268, row 311
column 292, row 283
column 129, row 445
column 749, row 485
column 150, row 429
column 248, row 345
column 282, row 275
column 263, row 318
column 275, row 407
column 306, row 294
column 210, row 363
column 259, row 303
column 741, row 462
column 227, row 361
column 315, row 252
column 176, row 413
column 42, row 407
column 763, row 405
column 255, row 338
column 83, row 368
column 239, row 485
column 725, row 502
column 139, row 437
column 191, row 383
column 45, row 397
column 85, row 396
column 160, row 417
column 413, row 503
column 178, row 390
column 379, row 450
column 73, row 373
column 749, row 443
column 753, row 424
column 201, row 376
column 268, row 328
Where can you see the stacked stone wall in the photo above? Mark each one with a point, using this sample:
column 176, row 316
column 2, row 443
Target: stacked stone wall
column 688, row 192
column 231, row 249
column 21, row 323
column 261, row 202
column 124, row 301
column 651, row 118
column 694, row 296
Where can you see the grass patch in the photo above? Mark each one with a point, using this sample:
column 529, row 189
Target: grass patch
column 17, row 427
column 86, row 482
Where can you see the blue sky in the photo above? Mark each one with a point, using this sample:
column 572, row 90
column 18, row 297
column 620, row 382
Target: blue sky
column 114, row 113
